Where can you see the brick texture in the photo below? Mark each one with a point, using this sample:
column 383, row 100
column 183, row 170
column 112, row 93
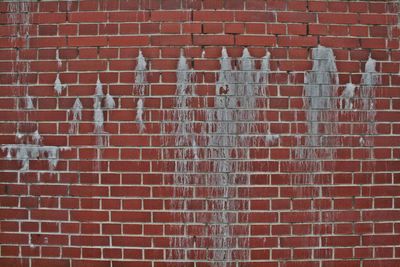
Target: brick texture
column 114, row 197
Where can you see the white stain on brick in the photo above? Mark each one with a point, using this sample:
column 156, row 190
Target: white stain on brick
column 140, row 85
column 109, row 101
column 221, row 141
column 369, row 80
column 58, row 86
column 347, row 97
column 98, row 111
column 28, row 102
column 76, row 116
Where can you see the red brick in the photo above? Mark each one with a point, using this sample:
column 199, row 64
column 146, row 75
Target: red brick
column 170, row 16
column 129, row 40
column 296, row 17
column 126, row 241
column 337, row 18
column 80, row 17
column 171, row 40
column 298, row 41
column 87, row 41
column 213, row 16
column 255, row 40
column 213, row 40
column 341, row 42
column 253, row 16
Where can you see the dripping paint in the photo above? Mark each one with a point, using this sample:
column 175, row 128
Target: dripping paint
column 76, row 117
column 221, row 141
column 109, row 101
column 29, row 146
column 98, row 116
column 140, row 85
column 320, row 103
column 58, row 86
column 370, row 78
column 347, row 96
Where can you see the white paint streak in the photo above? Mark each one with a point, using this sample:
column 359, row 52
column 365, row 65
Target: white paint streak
column 347, row 96
column 58, row 86
column 76, row 117
column 140, row 85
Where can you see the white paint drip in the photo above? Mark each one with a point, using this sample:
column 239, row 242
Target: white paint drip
column 262, row 74
column 58, row 86
column 322, row 114
column 98, row 116
column 99, row 90
column 109, row 101
column 225, row 75
column 28, row 102
column 320, row 94
column 19, row 15
column 140, row 85
column 369, row 80
column 139, row 115
column 76, row 117
column 27, row 152
column 19, row 135
column 222, row 141
column 347, row 96
column 36, row 138
column 59, row 62
column 140, row 73
column 361, row 141
column 271, row 138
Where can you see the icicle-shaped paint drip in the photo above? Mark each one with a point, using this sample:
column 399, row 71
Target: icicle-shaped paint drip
column 76, row 117
column 320, row 94
column 225, row 75
column 369, row 80
column 221, row 142
column 316, row 149
column 139, row 115
column 98, row 111
column 140, row 84
column 140, row 74
column 36, row 138
column 185, row 140
column 99, row 90
column 109, row 101
column 59, row 62
column 347, row 96
column 262, row 74
column 28, row 102
column 58, row 86
column 184, row 77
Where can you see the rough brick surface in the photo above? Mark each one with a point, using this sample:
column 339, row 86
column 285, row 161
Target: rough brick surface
column 114, row 197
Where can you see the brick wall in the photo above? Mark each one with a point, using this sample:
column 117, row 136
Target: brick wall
column 199, row 133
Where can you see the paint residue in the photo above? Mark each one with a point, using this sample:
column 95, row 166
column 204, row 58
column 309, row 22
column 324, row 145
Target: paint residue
column 140, row 85
column 76, row 117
